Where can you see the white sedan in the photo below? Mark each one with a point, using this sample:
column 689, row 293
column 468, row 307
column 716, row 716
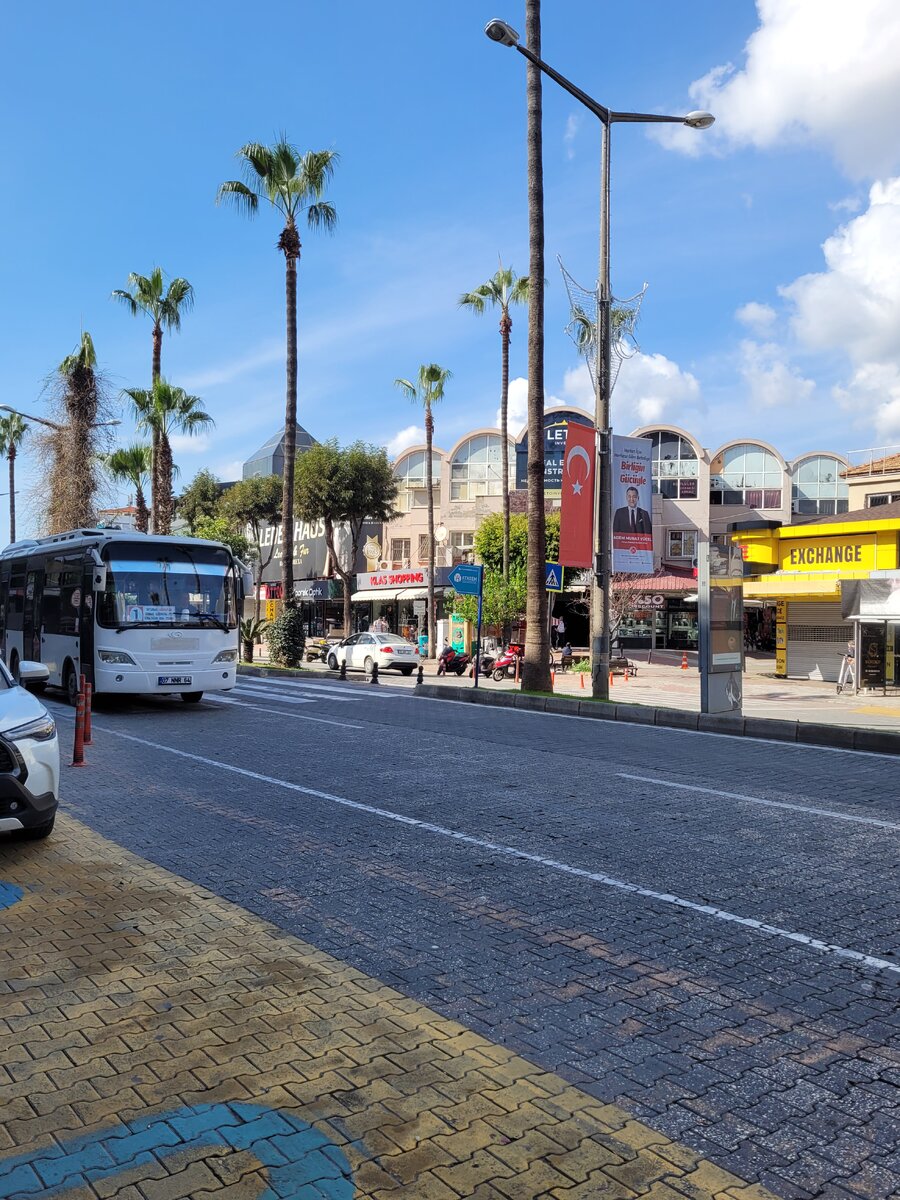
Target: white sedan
column 392, row 653
column 29, row 756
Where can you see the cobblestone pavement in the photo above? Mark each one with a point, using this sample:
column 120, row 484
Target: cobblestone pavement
column 700, row 930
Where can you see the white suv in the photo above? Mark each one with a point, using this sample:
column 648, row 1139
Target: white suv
column 29, row 756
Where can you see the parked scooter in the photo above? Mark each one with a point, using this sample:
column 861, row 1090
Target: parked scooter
column 451, row 661
column 505, row 663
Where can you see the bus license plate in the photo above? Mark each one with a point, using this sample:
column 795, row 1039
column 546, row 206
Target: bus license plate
column 175, row 681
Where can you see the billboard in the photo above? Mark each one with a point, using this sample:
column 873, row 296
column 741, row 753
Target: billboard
column 556, row 426
column 632, row 506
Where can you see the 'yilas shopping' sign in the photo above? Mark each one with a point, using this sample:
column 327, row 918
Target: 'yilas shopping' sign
column 370, row 580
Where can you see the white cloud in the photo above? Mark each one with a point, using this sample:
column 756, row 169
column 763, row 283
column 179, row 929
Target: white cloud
column 183, row 443
column 573, row 123
column 412, row 435
column 848, row 204
column 770, row 380
column 758, row 317
column 227, row 372
column 517, row 405
column 813, row 70
column 873, row 394
column 228, row 472
column 650, row 388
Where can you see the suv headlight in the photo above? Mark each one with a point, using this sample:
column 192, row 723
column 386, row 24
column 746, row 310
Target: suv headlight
column 116, row 658
column 225, row 656
column 40, row 730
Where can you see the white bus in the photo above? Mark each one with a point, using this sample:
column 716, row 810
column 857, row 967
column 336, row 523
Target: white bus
column 136, row 614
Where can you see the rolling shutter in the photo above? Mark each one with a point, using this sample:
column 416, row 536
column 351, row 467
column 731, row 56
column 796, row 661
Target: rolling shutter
column 816, row 639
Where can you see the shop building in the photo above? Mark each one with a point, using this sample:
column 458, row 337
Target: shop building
column 811, row 573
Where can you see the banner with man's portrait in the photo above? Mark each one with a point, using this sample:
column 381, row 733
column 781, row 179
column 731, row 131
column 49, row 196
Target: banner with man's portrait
column 632, row 505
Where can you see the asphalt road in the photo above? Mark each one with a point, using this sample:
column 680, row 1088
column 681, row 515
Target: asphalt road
column 705, row 930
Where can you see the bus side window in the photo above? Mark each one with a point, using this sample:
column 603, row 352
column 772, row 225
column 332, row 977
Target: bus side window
column 50, row 610
column 16, row 595
column 4, row 601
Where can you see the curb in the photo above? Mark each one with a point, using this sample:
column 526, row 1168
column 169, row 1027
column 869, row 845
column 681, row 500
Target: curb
column 873, row 741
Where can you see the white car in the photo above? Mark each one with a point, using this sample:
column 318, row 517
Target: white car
column 392, row 653
column 29, row 756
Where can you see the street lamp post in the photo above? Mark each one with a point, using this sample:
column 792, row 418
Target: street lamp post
column 505, row 35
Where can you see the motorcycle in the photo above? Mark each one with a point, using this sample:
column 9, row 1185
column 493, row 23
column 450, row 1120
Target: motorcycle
column 450, row 660
column 505, row 663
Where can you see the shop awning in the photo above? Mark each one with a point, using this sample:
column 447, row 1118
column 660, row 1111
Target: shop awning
column 823, row 585
column 407, row 593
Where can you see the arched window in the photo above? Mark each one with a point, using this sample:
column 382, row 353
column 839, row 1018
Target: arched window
column 747, row 474
column 410, row 473
column 477, row 467
column 675, row 465
column 818, row 489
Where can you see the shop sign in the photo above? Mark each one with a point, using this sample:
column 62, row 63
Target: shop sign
column 556, row 426
column 645, row 600
column 871, row 655
column 370, row 580
column 315, row 589
column 419, row 607
column 828, row 554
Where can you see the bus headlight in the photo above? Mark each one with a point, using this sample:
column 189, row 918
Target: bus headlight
column 116, row 658
column 225, row 656
column 40, row 730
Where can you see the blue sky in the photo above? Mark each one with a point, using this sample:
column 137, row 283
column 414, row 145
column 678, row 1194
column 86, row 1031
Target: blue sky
column 121, row 120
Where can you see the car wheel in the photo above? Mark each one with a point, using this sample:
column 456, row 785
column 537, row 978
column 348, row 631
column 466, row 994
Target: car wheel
column 369, row 664
column 70, row 684
column 407, row 670
column 192, row 697
column 38, row 832
column 332, row 662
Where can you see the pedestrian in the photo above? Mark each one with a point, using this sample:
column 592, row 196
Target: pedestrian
column 847, row 675
column 560, row 631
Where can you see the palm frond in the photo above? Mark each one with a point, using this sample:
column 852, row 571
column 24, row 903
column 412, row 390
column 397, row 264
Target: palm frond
column 83, row 359
column 256, row 160
column 322, row 215
column 12, row 431
column 409, row 389
column 127, row 299
column 472, row 300
column 518, row 292
column 238, row 195
column 179, row 297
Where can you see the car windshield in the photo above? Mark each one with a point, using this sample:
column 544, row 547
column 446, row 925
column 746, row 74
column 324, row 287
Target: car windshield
column 168, row 585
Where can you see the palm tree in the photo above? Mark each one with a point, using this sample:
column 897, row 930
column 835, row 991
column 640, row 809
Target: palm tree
column 428, row 390
column 132, row 465
column 73, row 477
column 536, row 668
column 164, row 306
column 294, row 184
column 162, row 411
column 12, row 431
column 500, row 291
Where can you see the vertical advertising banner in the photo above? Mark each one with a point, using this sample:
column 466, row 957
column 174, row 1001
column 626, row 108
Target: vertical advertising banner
column 632, row 504
column 576, row 522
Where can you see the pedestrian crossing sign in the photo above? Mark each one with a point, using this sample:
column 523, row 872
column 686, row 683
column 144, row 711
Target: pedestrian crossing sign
column 553, row 579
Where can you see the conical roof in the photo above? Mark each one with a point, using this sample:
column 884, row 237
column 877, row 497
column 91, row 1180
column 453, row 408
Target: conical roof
column 269, row 458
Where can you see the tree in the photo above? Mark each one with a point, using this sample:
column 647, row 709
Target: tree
column 488, row 541
column 220, row 529
column 345, row 487
column 164, row 306
column 536, row 667
column 200, row 499
column 162, row 411
column 293, row 184
column 12, row 431
column 255, row 504
column 71, row 446
column 131, row 465
column 503, row 599
column 503, row 289
column 428, row 390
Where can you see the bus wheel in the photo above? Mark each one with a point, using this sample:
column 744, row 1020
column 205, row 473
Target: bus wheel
column 192, row 697
column 70, row 684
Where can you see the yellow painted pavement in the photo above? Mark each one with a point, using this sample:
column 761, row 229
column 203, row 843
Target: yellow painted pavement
column 135, row 1006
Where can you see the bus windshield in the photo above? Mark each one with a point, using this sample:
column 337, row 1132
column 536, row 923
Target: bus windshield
column 167, row 585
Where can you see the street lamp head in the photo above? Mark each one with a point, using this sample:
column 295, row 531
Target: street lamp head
column 699, row 120
column 7, row 408
column 502, row 32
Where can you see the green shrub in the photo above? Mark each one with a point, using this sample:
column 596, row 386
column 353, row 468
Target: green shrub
column 583, row 664
column 286, row 638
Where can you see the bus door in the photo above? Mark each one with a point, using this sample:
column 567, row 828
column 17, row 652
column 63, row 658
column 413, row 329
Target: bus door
column 62, row 616
column 31, row 613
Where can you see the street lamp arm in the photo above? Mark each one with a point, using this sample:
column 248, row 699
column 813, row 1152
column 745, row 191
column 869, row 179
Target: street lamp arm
column 52, row 424
column 644, row 119
column 599, row 110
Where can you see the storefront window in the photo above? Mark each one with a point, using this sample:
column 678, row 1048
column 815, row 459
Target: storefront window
column 682, row 543
column 477, row 467
column 410, row 473
column 747, row 475
column 675, row 465
column 818, row 489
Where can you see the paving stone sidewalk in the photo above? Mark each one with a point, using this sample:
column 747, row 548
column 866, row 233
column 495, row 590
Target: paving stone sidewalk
column 158, row 1042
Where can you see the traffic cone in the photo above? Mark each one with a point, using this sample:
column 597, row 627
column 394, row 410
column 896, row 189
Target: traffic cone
column 684, row 661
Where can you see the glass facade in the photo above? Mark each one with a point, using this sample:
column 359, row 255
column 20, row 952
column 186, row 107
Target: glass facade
column 748, row 475
column 675, row 465
column 818, row 489
column 477, row 468
column 410, row 473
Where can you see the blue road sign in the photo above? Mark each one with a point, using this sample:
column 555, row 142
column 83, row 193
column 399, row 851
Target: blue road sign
column 466, row 579
column 553, row 578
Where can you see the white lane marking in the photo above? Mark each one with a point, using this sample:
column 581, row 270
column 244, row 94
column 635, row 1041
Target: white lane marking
column 353, row 690
column 804, row 808
column 280, row 712
column 552, row 864
column 310, row 697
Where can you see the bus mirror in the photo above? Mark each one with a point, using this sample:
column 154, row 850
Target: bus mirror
column 246, row 580
column 99, row 572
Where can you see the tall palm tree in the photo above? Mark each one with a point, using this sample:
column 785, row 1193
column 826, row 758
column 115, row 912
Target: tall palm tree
column 164, row 306
column 293, row 184
column 164, row 410
column 132, row 465
column 503, row 289
column 73, row 475
column 428, row 390
column 12, row 431
column 536, row 667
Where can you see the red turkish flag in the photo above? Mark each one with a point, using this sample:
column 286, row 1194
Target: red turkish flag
column 576, row 530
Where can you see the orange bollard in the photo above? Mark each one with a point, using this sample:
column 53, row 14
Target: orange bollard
column 552, row 680
column 88, row 695
column 610, row 679
column 626, row 674
column 78, row 751
column 684, row 661
column 517, row 668
column 582, row 680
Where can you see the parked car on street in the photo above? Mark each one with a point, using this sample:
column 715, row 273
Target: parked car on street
column 362, row 650
column 29, row 755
